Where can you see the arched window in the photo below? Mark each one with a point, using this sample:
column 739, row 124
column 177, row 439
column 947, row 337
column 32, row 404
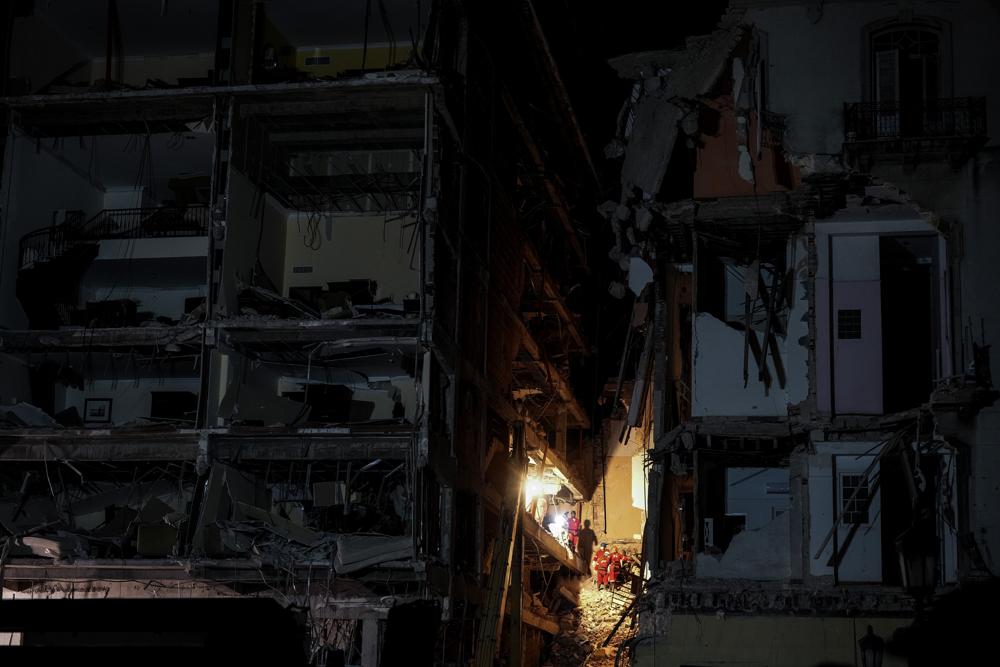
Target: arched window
column 906, row 76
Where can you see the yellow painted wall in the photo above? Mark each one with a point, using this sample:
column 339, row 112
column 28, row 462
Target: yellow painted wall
column 624, row 520
column 358, row 246
column 763, row 641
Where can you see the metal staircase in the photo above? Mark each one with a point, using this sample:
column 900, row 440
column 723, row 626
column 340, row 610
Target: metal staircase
column 50, row 243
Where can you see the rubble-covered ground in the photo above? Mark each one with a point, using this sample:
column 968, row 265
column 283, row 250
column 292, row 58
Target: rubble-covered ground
column 585, row 628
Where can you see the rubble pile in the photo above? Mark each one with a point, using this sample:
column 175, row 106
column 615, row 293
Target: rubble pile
column 584, row 629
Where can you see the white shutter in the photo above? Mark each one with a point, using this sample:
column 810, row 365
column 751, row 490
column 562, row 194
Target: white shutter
column 887, row 93
column 887, row 76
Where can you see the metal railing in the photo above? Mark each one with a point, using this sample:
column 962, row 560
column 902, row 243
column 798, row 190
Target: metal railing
column 115, row 223
column 961, row 117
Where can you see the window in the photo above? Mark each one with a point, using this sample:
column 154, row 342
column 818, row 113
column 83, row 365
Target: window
column 905, row 79
column 854, row 498
column 317, row 60
column 848, row 324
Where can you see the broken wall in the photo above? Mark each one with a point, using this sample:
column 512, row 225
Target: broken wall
column 624, row 520
column 845, row 382
column 721, row 171
column 862, row 560
column 718, row 351
column 242, row 233
column 979, row 277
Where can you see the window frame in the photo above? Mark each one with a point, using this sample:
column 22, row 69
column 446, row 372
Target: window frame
column 902, row 22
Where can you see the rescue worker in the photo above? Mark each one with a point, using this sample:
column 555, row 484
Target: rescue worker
column 614, row 567
column 573, row 526
column 601, row 565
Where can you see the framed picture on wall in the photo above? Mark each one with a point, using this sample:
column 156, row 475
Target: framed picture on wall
column 97, row 411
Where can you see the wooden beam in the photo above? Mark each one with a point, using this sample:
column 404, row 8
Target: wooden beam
column 559, row 204
column 543, row 623
column 551, row 545
column 555, row 378
column 551, row 291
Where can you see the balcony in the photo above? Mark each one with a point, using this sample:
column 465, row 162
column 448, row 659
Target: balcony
column 949, row 129
column 110, row 224
column 122, row 267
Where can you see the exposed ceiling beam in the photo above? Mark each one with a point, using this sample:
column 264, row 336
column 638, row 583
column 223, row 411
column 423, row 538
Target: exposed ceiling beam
column 551, row 291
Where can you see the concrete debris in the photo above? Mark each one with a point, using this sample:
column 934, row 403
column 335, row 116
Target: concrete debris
column 328, row 494
column 585, row 628
column 122, row 496
column 760, row 554
column 640, row 274
column 60, row 546
column 156, row 540
column 277, row 524
column 659, row 111
column 27, row 415
column 356, row 552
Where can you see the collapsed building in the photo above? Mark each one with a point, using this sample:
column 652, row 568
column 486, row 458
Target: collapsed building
column 288, row 311
column 815, row 186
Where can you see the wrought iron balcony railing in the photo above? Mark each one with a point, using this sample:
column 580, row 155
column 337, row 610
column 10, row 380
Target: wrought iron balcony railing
column 957, row 117
column 119, row 223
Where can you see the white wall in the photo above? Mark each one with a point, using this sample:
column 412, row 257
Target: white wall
column 240, row 253
column 159, row 284
column 747, row 493
column 354, row 246
column 128, row 401
column 979, row 278
column 824, row 57
column 718, row 358
column 36, row 184
column 124, row 197
column 857, row 263
column 863, row 559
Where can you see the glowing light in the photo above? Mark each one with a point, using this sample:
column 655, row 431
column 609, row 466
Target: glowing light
column 533, row 488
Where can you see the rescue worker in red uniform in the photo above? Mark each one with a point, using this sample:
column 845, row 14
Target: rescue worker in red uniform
column 573, row 526
column 614, row 567
column 601, row 565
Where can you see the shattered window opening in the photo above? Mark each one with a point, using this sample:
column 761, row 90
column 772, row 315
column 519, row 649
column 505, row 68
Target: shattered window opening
column 854, row 490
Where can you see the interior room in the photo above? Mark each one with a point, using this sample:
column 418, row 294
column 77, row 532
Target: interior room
column 309, row 385
column 103, row 389
column 111, row 228
column 101, row 45
column 319, row 40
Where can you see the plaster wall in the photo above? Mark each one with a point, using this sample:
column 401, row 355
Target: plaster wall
column 130, row 399
column 718, row 358
column 807, row 46
column 762, row 641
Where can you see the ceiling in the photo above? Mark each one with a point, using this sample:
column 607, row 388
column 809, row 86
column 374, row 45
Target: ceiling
column 162, row 27
column 324, row 22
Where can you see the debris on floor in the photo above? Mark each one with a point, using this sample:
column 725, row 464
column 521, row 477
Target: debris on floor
column 584, row 629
